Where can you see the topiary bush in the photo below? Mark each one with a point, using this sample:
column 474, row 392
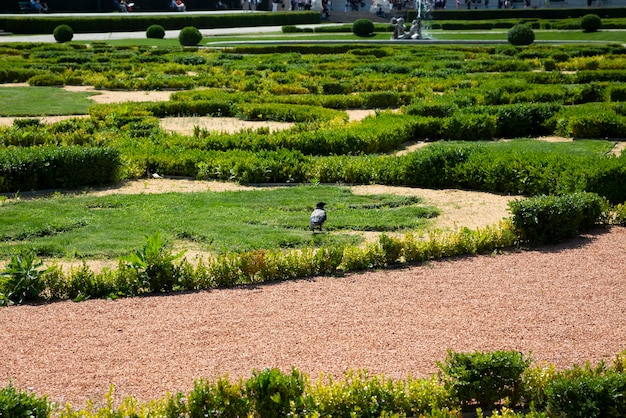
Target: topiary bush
column 155, row 32
column 363, row 27
column 189, row 36
column 63, row 33
column 590, row 23
column 552, row 219
column 483, row 379
column 521, row 35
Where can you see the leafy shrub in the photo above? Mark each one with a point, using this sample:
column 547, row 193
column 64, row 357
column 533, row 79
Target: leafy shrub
column 588, row 395
column 63, row 33
column 552, row 219
column 155, row 32
column 47, row 79
column 21, row 280
column 57, row 167
column 482, row 379
column 521, row 35
column 222, row 398
column 154, row 265
column 363, row 28
column 17, row 403
column 189, row 36
column 276, row 394
column 590, row 23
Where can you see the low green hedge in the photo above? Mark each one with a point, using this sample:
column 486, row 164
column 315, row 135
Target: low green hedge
column 468, row 383
column 57, row 167
column 552, row 219
column 128, row 22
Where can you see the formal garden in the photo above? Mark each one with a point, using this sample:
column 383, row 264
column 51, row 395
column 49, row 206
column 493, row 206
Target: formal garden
column 542, row 121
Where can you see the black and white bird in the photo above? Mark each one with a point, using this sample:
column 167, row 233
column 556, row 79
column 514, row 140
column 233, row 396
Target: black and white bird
column 318, row 217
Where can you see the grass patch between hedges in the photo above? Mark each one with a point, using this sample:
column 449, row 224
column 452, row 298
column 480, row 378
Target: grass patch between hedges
column 42, row 101
column 111, row 226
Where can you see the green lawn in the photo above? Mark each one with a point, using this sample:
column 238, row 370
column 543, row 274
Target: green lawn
column 490, row 35
column 112, row 226
column 42, row 101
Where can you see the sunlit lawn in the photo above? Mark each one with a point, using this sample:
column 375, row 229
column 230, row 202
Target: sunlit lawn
column 111, row 226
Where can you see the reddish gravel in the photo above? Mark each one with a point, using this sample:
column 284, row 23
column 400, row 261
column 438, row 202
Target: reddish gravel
column 565, row 304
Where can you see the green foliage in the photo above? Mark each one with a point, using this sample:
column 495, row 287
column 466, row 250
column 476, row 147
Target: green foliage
column 16, row 403
column 46, row 80
column 619, row 214
column 63, row 33
column 483, row 379
column 363, row 28
column 552, row 219
column 520, row 35
column 590, row 23
column 154, row 265
column 361, row 394
column 189, row 36
column 587, row 392
column 155, row 32
column 275, row 393
column 222, row 398
column 57, row 167
column 22, row 279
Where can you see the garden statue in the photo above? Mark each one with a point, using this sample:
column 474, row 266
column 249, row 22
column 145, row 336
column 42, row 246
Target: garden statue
column 399, row 29
column 416, row 29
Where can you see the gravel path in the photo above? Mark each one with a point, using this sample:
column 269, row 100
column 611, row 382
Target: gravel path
column 565, row 304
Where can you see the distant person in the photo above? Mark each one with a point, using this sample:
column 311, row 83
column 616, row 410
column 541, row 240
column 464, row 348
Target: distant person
column 121, row 5
column 39, row 6
column 182, row 7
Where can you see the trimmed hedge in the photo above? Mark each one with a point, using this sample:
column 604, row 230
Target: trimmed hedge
column 553, row 219
column 57, row 167
column 575, row 392
column 136, row 22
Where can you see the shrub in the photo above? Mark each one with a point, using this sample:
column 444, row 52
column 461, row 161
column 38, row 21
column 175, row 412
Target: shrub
column 47, row 79
column 63, row 33
column 589, row 395
column 590, row 23
column 551, row 219
column 363, row 28
column 21, row 281
column 17, row 403
column 220, row 399
column 154, row 265
column 521, row 35
column 482, row 379
column 276, row 394
column 189, row 36
column 155, row 32
column 57, row 167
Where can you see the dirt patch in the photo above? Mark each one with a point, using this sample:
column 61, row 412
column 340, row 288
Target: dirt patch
column 121, row 96
column 187, row 125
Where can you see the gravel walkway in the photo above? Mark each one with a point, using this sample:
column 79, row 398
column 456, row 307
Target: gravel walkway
column 565, row 304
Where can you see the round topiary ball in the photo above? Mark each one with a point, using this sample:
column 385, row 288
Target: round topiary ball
column 363, row 27
column 590, row 23
column 189, row 36
column 155, row 32
column 521, row 35
column 63, row 33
